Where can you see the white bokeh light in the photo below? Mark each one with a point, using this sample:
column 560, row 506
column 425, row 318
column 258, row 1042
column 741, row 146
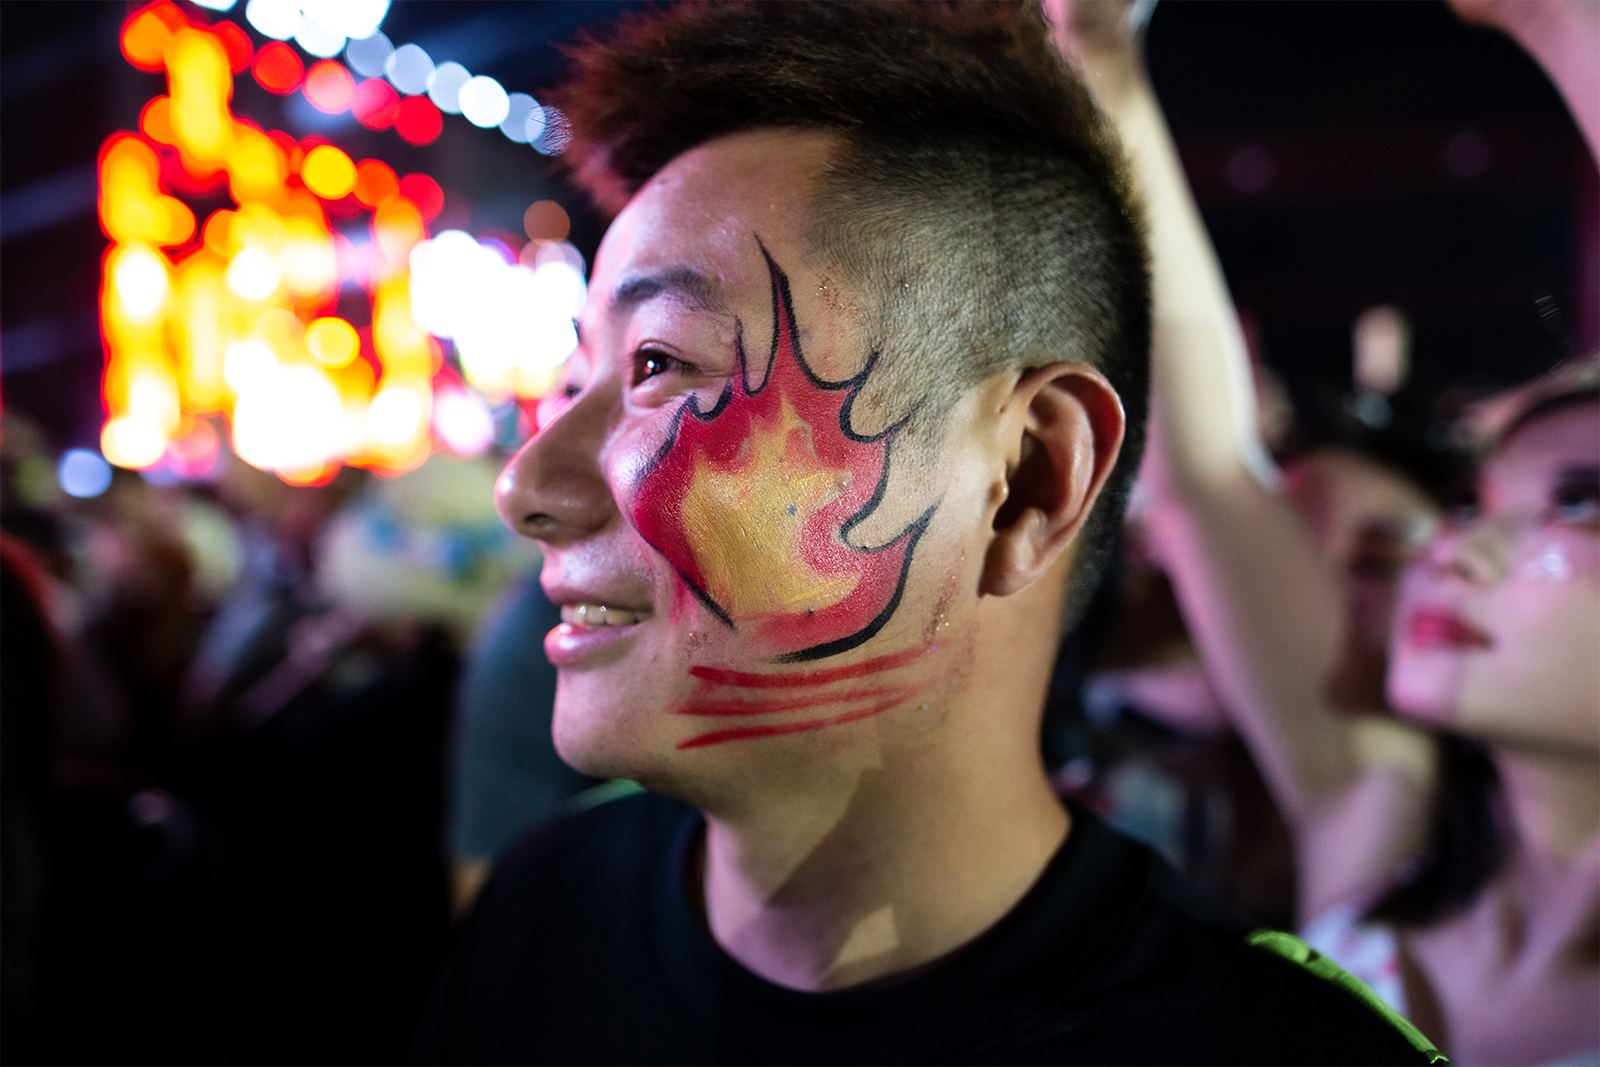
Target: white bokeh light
column 369, row 56
column 409, row 70
column 347, row 18
column 519, row 109
column 247, row 364
column 279, row 19
column 444, row 88
column 510, row 323
column 253, row 274
column 317, row 39
column 463, row 421
column 394, row 416
column 290, row 419
column 483, row 101
column 141, row 281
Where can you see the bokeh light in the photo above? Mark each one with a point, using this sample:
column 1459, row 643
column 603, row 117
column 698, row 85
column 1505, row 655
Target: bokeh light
column 519, row 110
column 546, row 220
column 328, row 172
column 444, row 88
column 332, row 342
column 369, row 56
column 349, row 18
column 277, row 68
column 241, row 331
column 484, row 102
column 512, row 324
column 424, row 193
column 253, row 274
column 317, row 39
column 83, row 473
column 375, row 182
column 463, row 421
column 418, row 121
column 409, row 69
column 376, row 105
column 278, row 19
column 329, row 87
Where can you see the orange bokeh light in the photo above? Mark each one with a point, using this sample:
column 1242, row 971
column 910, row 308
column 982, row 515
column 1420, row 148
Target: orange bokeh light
column 375, row 182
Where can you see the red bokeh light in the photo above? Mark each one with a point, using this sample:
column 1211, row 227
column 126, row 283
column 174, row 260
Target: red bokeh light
column 329, row 87
column 423, row 192
column 236, row 43
column 376, row 104
column 277, row 68
column 419, row 121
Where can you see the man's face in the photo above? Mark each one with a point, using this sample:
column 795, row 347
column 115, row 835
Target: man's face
column 753, row 568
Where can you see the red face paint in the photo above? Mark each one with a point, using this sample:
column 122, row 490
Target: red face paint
column 754, row 501
column 803, row 691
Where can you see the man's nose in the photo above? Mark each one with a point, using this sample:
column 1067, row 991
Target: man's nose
column 553, row 489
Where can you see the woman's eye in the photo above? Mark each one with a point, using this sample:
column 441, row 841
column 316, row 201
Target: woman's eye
column 1578, row 503
column 651, row 362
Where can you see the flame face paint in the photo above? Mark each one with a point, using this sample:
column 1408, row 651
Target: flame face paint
column 754, row 501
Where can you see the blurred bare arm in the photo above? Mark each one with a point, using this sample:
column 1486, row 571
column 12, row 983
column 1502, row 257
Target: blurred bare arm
column 1266, row 610
column 1564, row 36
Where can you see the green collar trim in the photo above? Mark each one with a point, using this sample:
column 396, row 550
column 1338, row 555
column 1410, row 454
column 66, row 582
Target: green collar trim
column 1297, row 951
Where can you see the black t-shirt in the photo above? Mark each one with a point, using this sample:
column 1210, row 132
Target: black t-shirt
column 584, row 948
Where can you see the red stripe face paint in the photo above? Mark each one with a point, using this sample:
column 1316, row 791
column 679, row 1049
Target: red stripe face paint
column 754, row 503
column 802, row 691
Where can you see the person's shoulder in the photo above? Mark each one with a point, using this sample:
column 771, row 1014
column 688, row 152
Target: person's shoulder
column 1222, row 989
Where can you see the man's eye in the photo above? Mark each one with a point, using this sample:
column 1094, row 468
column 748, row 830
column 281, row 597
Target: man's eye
column 651, row 362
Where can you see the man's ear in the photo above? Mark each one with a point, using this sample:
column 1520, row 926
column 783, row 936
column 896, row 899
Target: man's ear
column 1063, row 427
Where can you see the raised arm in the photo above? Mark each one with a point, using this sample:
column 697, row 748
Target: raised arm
column 1265, row 608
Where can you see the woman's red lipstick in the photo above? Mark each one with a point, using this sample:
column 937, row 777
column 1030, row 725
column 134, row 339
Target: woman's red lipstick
column 1431, row 628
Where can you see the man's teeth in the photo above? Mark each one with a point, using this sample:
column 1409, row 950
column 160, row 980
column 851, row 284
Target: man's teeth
column 600, row 615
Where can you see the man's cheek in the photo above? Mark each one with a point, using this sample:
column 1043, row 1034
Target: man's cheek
column 753, row 502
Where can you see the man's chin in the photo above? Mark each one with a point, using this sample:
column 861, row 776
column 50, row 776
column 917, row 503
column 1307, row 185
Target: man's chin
column 603, row 744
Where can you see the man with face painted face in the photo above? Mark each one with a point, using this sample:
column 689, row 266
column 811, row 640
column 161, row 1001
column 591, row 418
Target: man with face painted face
column 859, row 392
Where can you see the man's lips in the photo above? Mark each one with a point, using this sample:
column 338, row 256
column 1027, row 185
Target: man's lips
column 591, row 622
column 1431, row 628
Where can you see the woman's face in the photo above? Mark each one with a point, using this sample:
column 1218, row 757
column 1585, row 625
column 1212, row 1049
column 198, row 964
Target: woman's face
column 1497, row 632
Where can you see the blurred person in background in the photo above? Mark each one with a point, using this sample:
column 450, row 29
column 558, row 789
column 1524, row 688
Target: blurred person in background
column 1451, row 857
column 505, row 772
column 326, row 680
column 866, row 860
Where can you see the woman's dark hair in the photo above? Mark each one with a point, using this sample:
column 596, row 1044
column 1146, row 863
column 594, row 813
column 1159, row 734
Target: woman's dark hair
column 1466, row 844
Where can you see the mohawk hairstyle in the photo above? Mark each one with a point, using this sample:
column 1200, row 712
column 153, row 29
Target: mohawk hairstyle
column 978, row 199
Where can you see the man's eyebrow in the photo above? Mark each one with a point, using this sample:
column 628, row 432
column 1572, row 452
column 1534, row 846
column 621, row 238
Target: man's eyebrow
column 687, row 284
